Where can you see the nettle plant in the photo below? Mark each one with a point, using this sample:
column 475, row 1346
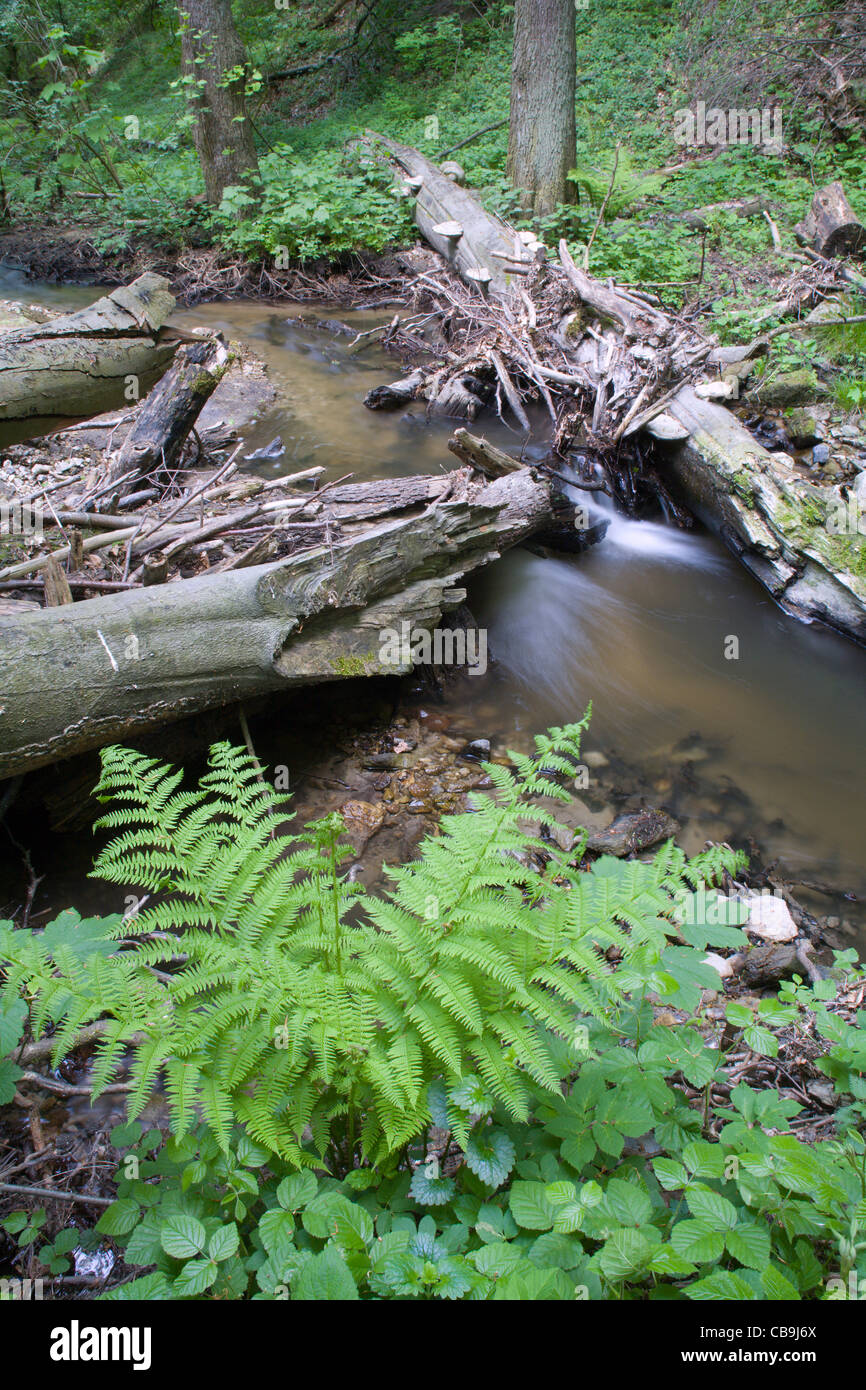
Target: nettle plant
column 433, row 1093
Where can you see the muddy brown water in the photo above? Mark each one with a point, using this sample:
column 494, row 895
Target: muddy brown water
column 763, row 746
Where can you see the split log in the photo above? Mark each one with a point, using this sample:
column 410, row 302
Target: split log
column 831, row 226
column 485, row 243
column 112, row 667
column 169, row 413
column 78, row 364
column 757, row 501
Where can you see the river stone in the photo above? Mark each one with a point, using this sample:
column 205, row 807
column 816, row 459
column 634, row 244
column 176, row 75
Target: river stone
column 820, row 453
column 802, row 428
column 789, row 388
column 632, row 832
column 769, row 918
column 363, row 819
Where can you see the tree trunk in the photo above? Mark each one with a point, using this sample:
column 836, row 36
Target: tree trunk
column 541, row 137
column 215, row 59
column 831, row 226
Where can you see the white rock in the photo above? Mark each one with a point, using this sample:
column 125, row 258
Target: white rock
column 718, row 963
column 715, row 390
column 770, row 919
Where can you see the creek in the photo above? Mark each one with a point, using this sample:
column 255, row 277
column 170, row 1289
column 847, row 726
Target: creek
column 754, row 740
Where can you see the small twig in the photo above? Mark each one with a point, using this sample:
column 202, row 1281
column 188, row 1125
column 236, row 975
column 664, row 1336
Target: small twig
column 603, row 207
column 51, row 1195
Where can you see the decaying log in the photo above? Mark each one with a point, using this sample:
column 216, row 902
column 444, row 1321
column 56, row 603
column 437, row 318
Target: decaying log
column 112, row 667
column 478, row 454
column 757, row 501
column 169, row 413
column 57, row 590
column 397, row 393
column 831, row 226
column 486, row 247
column 79, row 364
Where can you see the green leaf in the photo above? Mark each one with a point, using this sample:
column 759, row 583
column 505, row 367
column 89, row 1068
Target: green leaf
column 224, row 1242
column 182, row 1236
column 750, row 1244
column 276, row 1228
column 721, row 1286
column 296, row 1191
column 120, row 1217
column 697, row 1242
column 471, row 1097
column 530, row 1206
column 776, row 1286
column 13, row 1016
column 431, row 1191
column 195, row 1277
column 326, row 1278
column 627, row 1203
column 625, row 1254
column 671, row 1175
column 713, row 1209
column 762, row 1040
column 555, row 1251
column 490, row 1156
column 497, row 1258
column 9, row 1076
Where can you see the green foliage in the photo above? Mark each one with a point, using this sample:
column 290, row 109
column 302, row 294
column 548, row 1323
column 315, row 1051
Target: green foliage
column 440, row 1093
column 316, row 1026
column 431, row 47
column 308, row 208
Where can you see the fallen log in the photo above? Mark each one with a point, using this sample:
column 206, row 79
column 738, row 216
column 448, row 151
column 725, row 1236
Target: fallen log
column 783, row 527
column 831, row 227
column 165, row 419
column 111, row 667
column 479, row 245
column 81, row 364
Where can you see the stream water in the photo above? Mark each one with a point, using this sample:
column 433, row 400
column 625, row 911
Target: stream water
column 767, row 744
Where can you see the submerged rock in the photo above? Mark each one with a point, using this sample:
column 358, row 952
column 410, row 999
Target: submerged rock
column 632, row 832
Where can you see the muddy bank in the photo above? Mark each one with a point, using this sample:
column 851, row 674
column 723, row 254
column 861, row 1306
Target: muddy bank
column 199, row 275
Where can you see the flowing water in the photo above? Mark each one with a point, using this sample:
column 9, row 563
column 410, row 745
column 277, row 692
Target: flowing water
column 766, row 743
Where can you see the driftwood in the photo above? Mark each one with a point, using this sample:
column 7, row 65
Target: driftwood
column 111, row 667
column 169, row 413
column 78, row 364
column 611, row 364
column 831, row 227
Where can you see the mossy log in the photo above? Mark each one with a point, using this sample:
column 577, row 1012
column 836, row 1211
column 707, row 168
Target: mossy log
column 789, row 532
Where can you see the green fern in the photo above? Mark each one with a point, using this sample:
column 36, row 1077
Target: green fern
column 258, row 988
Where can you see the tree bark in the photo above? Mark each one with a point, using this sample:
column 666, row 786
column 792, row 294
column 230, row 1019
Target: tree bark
column 831, row 226
column 113, row 667
column 169, row 413
column 212, row 55
column 78, row 364
column 541, row 136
